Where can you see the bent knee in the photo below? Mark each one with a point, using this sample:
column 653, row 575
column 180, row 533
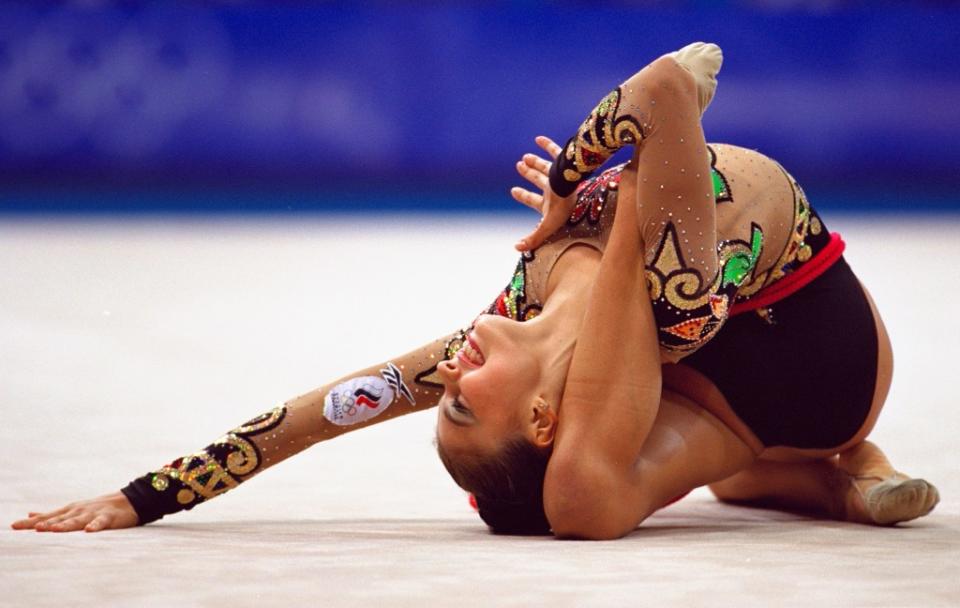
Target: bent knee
column 718, row 491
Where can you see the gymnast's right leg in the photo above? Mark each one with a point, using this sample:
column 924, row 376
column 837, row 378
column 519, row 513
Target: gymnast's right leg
column 628, row 114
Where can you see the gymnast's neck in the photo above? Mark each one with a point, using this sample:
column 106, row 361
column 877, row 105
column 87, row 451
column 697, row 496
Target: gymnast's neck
column 553, row 334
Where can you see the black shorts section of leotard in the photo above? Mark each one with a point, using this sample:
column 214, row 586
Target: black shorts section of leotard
column 807, row 379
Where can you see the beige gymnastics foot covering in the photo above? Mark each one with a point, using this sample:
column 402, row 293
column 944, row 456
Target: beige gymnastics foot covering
column 703, row 60
column 898, row 499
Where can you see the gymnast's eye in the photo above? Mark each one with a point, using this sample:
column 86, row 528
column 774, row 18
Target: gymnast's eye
column 460, row 408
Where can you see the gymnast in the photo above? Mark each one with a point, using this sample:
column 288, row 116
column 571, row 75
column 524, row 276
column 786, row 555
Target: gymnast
column 681, row 320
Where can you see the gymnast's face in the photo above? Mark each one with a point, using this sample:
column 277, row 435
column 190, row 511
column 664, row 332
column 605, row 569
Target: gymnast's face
column 491, row 389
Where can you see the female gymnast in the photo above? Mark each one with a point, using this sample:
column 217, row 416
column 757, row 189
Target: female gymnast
column 742, row 353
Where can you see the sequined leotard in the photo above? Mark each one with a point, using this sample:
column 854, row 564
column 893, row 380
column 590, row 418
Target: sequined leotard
column 754, row 197
column 706, row 257
column 820, row 344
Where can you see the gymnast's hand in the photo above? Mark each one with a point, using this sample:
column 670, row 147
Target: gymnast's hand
column 555, row 210
column 108, row 512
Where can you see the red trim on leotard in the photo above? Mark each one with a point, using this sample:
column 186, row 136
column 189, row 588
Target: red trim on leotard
column 786, row 286
column 795, row 281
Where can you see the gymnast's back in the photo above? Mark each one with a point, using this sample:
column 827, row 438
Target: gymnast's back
column 765, row 230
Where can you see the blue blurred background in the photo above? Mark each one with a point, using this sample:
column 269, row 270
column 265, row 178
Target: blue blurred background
column 263, row 107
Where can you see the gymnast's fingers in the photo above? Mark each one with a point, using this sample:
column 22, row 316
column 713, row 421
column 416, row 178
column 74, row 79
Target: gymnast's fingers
column 112, row 511
column 26, row 524
column 535, row 162
column 50, row 523
column 55, row 512
column 23, row 524
column 33, row 517
column 547, row 226
column 72, row 524
column 532, row 175
column 534, row 201
column 549, row 146
column 98, row 523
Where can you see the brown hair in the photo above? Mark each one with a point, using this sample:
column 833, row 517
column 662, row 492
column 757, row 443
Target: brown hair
column 507, row 486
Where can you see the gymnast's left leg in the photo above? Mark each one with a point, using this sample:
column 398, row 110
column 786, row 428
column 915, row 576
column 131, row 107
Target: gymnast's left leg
column 859, row 485
column 689, row 447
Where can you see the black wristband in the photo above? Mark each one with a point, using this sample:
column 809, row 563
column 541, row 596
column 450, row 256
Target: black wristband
column 603, row 132
column 562, row 172
column 192, row 479
column 149, row 503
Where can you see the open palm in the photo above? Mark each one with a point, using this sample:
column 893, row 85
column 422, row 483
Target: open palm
column 553, row 209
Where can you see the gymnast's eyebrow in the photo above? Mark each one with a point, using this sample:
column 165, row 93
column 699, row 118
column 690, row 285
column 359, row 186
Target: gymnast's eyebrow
column 449, row 416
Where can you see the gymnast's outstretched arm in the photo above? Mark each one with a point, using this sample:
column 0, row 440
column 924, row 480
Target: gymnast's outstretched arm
column 380, row 392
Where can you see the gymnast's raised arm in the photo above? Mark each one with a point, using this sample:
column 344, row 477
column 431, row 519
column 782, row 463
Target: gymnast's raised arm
column 380, row 392
column 610, row 398
column 613, row 389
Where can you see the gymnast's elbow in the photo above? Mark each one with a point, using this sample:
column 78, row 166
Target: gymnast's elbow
column 572, row 527
column 589, row 505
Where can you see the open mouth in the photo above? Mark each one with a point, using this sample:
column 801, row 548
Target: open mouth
column 470, row 353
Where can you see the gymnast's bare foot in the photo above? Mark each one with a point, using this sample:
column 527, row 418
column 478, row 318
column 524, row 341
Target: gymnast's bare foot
column 108, row 512
column 703, row 60
column 877, row 494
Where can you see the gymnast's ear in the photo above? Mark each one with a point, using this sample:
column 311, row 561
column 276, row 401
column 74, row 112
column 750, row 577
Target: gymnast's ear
column 542, row 428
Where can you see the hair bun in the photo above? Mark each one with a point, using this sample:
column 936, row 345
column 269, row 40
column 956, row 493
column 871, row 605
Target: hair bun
column 517, row 518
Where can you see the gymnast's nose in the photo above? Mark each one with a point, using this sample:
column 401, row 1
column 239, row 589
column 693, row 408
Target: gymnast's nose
column 449, row 373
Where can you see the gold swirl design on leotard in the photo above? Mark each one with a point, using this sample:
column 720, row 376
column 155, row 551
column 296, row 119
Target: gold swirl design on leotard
column 212, row 471
column 429, row 377
column 669, row 277
column 755, row 285
column 654, row 285
column 264, row 420
column 200, row 472
column 242, row 461
column 796, row 247
column 512, row 301
column 455, row 343
column 599, row 136
column 684, row 290
column 689, row 310
column 815, row 226
column 625, row 132
column 796, row 250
